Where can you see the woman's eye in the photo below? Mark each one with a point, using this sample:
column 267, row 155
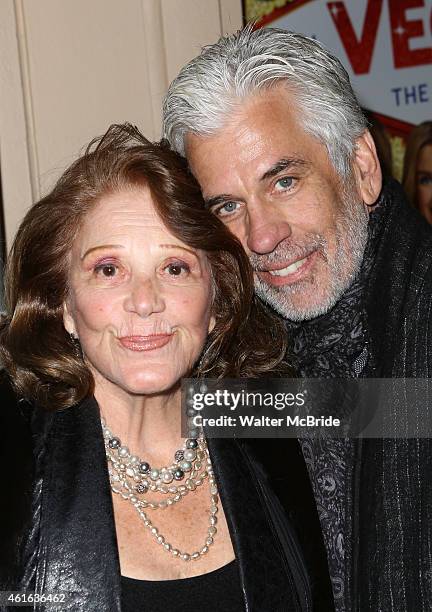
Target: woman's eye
column 284, row 183
column 425, row 180
column 226, row 209
column 177, row 268
column 106, row 270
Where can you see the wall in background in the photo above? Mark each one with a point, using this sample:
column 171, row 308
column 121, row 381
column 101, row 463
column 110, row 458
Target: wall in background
column 70, row 69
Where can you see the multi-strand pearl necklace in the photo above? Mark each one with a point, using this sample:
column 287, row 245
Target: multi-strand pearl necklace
column 131, row 477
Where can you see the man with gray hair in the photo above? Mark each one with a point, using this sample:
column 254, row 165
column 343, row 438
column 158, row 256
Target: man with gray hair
column 275, row 136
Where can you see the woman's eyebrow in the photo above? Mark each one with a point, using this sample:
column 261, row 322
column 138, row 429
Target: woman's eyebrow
column 101, row 247
column 178, row 246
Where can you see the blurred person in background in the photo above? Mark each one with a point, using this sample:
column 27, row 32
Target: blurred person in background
column 417, row 172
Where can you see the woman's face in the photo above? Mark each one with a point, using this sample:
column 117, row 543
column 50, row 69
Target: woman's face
column 140, row 299
column 424, row 181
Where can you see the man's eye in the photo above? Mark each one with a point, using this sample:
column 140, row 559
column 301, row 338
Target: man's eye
column 225, row 209
column 177, row 268
column 284, row 183
column 106, row 270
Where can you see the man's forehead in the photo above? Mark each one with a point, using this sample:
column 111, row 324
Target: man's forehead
column 215, row 158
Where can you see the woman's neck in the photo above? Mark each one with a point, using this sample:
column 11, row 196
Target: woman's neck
column 149, row 425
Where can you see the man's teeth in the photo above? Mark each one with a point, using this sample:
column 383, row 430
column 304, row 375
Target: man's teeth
column 289, row 269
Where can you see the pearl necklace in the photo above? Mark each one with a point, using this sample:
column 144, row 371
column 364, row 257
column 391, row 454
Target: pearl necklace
column 130, row 477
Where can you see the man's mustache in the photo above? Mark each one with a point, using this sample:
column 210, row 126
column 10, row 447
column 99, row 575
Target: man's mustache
column 287, row 252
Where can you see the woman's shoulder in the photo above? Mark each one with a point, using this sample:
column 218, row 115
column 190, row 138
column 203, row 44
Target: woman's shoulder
column 15, row 412
column 16, row 452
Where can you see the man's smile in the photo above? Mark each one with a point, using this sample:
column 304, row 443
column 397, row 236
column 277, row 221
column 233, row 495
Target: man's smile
column 290, row 273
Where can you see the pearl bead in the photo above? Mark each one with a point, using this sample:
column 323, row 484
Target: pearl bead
column 154, row 474
column 204, row 550
column 186, row 466
column 179, row 455
column 167, row 476
column 190, row 454
column 175, row 552
column 191, row 443
column 133, row 459
column 209, row 541
column 144, row 467
column 195, row 555
column 185, row 557
column 123, row 451
column 114, row 443
column 213, row 520
column 212, row 531
column 178, row 474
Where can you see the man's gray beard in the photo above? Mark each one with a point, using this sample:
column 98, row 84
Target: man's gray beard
column 351, row 239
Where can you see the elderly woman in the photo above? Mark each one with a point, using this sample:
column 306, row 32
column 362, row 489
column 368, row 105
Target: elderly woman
column 119, row 284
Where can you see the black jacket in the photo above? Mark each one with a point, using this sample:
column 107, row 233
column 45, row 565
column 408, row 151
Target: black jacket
column 389, row 493
column 393, row 484
column 57, row 527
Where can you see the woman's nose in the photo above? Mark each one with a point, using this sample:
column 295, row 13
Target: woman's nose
column 144, row 298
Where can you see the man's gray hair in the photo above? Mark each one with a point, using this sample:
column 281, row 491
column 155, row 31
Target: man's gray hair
column 211, row 87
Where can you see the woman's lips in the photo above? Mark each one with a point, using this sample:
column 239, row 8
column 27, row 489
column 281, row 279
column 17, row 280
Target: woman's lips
column 145, row 343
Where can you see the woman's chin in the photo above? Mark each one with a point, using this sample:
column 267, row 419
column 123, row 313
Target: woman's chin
column 150, row 384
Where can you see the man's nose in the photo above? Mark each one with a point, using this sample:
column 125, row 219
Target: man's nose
column 144, row 298
column 267, row 228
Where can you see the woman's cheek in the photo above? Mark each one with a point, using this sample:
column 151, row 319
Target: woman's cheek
column 94, row 310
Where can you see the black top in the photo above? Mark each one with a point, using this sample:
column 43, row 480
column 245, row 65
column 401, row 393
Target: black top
column 212, row 592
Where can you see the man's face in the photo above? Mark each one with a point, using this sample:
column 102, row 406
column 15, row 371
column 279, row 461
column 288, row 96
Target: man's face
column 275, row 188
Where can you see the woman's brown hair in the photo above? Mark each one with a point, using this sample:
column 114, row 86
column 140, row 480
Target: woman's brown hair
column 419, row 137
column 42, row 361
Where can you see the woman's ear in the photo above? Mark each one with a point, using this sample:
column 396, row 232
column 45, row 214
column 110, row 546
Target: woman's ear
column 367, row 169
column 212, row 323
column 68, row 320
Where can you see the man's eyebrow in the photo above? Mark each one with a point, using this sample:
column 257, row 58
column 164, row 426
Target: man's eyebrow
column 220, row 199
column 284, row 164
